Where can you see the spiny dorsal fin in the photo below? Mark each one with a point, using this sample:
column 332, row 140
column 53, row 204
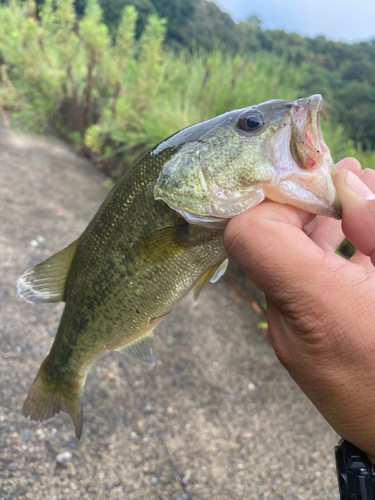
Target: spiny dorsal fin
column 219, row 271
column 46, row 281
column 203, row 282
column 140, row 349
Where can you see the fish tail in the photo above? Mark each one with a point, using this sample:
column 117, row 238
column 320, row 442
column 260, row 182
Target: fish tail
column 46, row 399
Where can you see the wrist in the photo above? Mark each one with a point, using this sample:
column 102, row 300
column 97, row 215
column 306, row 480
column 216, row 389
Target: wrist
column 355, row 473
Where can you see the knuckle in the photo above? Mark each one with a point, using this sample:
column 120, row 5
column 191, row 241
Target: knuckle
column 311, row 320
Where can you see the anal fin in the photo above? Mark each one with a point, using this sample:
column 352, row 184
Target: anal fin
column 140, row 349
column 46, row 281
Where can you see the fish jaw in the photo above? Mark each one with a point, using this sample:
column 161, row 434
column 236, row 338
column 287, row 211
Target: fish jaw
column 315, row 193
column 305, row 180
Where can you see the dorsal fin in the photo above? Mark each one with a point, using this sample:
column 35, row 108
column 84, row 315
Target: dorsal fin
column 140, row 349
column 46, row 281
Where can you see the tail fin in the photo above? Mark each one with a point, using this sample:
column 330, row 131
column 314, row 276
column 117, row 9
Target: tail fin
column 46, row 399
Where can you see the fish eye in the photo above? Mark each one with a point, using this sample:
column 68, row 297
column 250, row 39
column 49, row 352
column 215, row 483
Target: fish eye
column 251, row 121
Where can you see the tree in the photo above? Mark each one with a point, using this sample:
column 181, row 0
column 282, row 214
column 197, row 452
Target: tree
column 208, row 28
column 112, row 12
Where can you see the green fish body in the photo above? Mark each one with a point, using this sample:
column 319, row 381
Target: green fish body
column 156, row 237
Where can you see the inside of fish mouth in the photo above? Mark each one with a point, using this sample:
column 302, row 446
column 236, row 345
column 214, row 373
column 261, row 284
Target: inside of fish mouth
column 315, row 115
column 311, row 130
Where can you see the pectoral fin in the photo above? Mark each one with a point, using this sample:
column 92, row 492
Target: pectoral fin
column 46, row 281
column 163, row 245
column 140, row 349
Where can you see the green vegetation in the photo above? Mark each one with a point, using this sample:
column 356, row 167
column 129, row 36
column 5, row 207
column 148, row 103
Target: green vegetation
column 115, row 91
column 343, row 73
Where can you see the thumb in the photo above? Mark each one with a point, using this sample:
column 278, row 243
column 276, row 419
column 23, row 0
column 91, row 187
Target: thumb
column 358, row 212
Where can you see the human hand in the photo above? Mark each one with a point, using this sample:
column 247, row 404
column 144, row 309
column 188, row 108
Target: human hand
column 320, row 307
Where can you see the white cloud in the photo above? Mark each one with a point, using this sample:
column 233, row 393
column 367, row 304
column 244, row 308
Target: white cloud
column 336, row 19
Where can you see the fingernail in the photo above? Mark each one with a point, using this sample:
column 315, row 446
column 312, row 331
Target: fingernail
column 359, row 187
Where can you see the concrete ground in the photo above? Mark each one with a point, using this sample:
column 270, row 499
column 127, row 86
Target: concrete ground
column 217, row 418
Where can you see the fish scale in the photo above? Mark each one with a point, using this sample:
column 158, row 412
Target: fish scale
column 103, row 289
column 113, row 292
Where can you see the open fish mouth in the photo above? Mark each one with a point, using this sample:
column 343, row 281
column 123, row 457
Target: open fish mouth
column 306, row 116
column 309, row 183
column 307, row 144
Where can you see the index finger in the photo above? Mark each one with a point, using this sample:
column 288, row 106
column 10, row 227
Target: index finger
column 327, row 232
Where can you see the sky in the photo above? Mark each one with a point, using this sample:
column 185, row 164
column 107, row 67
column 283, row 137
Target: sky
column 344, row 20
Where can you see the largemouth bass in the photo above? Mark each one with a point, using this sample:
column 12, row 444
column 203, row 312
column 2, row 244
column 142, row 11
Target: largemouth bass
column 159, row 235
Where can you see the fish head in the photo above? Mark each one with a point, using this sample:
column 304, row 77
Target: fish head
column 224, row 166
